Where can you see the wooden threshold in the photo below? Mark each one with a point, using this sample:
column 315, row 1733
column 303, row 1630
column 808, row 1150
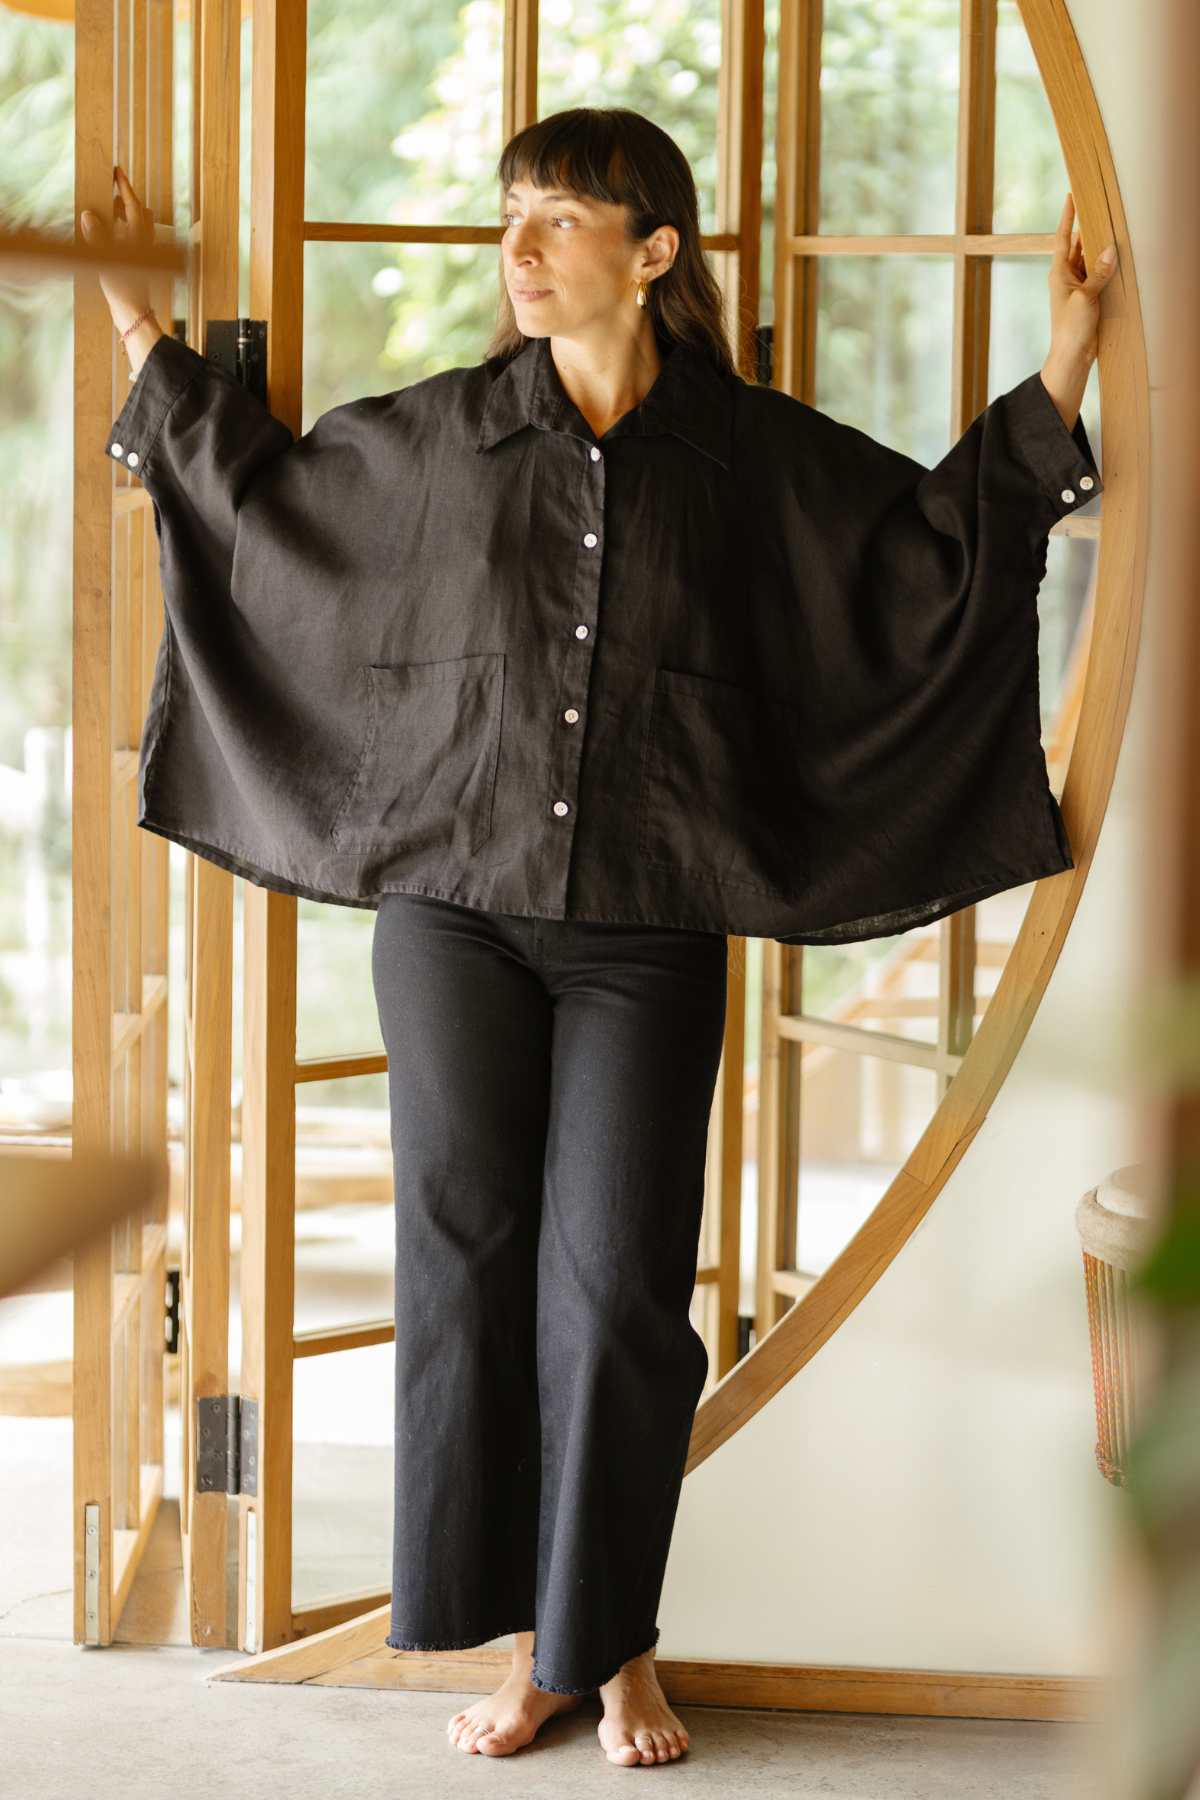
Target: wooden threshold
column 354, row 1654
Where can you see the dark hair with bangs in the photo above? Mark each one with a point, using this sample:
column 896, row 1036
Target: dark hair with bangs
column 612, row 153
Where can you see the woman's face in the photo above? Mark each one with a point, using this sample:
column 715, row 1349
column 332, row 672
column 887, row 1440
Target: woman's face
column 568, row 263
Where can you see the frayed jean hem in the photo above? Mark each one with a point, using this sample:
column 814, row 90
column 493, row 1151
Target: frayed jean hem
column 555, row 1687
column 471, row 1643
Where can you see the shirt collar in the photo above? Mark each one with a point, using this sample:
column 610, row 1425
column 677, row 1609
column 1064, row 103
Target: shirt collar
column 690, row 397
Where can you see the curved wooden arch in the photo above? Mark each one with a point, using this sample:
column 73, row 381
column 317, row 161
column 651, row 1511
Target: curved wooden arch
column 1116, row 618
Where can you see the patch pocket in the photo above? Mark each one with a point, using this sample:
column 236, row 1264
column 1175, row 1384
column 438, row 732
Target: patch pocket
column 426, row 773
column 720, row 797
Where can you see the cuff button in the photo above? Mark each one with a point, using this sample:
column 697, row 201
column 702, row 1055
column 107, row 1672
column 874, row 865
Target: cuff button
column 1086, row 483
column 1068, row 495
column 132, row 459
column 117, row 449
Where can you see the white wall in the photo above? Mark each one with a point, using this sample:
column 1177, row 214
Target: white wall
column 924, row 1493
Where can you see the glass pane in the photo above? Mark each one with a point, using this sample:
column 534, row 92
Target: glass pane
column 343, row 1404
column 660, row 58
column 885, row 984
column 404, row 112
column 343, row 1486
column 889, row 116
column 37, row 60
column 860, row 1117
column 1031, row 177
column 335, row 1010
column 1063, row 601
column 342, row 1134
column 181, row 123
column 380, row 316
column 998, row 921
column 884, row 325
column 35, row 709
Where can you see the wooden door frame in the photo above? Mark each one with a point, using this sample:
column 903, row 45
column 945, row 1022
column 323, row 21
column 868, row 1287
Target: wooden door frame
column 119, row 890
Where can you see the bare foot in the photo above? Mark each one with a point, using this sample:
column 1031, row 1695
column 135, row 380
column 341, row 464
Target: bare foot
column 638, row 1726
column 503, row 1721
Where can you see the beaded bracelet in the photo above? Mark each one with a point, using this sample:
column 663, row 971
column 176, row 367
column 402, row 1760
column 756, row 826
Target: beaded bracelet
column 140, row 320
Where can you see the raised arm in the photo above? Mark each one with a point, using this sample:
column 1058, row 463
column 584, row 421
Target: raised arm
column 192, row 434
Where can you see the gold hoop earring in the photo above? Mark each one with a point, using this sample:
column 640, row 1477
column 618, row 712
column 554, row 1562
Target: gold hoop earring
column 641, row 293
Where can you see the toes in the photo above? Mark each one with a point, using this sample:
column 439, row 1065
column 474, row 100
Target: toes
column 493, row 1743
column 628, row 1754
column 646, row 1746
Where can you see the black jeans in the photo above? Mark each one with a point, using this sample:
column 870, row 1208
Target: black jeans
column 550, row 1085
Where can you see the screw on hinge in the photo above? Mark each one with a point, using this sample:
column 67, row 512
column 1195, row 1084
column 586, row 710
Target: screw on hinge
column 227, row 1444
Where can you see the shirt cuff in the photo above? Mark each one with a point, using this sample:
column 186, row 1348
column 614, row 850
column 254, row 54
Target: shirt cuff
column 169, row 368
column 1061, row 460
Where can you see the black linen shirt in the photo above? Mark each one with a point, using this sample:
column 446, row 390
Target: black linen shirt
column 734, row 666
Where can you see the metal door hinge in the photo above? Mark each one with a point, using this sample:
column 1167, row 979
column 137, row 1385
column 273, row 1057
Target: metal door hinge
column 226, row 1444
column 171, row 1343
column 239, row 346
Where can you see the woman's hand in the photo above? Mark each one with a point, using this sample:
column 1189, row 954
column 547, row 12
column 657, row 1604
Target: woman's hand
column 1075, row 294
column 126, row 290
column 1074, row 316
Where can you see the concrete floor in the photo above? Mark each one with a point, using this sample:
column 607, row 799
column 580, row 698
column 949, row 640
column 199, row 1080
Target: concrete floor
column 140, row 1720
column 129, row 1721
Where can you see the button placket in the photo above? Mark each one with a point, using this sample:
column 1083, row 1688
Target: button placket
column 567, row 744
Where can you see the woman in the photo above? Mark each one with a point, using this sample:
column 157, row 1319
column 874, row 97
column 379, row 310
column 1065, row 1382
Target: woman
column 572, row 663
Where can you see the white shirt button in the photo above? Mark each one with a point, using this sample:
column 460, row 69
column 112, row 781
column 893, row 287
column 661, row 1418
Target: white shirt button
column 1068, row 495
column 561, row 807
column 1086, row 483
column 591, row 540
column 570, row 715
column 581, row 631
column 595, row 454
column 132, row 459
column 117, row 450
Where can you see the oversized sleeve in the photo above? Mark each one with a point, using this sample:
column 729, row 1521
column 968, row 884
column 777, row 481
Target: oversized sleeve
column 251, row 716
column 196, row 438
column 922, row 769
